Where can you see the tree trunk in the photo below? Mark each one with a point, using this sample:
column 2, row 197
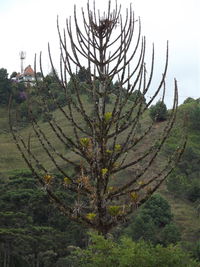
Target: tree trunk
column 36, row 260
column 5, row 257
column 101, row 99
column 6, row 262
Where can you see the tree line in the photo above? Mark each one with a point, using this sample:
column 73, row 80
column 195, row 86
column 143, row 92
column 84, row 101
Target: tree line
column 34, row 233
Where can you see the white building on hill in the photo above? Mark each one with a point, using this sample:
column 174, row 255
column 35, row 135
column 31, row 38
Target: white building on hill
column 28, row 76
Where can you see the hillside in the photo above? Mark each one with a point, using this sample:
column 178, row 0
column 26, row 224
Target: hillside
column 184, row 211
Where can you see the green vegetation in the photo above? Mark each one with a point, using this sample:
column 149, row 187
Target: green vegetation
column 154, row 222
column 184, row 182
column 185, row 216
column 158, row 112
column 32, row 231
column 97, row 151
column 5, row 86
column 104, row 139
column 102, row 252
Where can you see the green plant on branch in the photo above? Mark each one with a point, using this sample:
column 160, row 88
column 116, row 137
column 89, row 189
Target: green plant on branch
column 113, row 49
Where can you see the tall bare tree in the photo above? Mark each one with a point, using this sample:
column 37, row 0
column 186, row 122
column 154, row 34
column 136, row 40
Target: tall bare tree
column 112, row 139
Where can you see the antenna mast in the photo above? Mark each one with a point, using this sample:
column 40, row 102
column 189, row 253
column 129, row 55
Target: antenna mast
column 22, row 55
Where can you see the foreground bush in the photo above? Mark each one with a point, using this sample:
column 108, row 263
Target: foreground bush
column 107, row 253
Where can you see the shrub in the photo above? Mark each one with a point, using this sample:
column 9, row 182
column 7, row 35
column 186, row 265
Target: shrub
column 189, row 113
column 158, row 112
column 107, row 253
column 170, row 234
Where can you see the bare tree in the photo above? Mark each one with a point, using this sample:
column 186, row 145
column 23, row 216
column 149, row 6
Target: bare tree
column 110, row 140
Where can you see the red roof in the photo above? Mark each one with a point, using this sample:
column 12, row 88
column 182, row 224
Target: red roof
column 29, row 71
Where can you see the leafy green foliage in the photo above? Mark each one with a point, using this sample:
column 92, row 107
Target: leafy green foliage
column 30, row 227
column 136, row 95
column 184, row 182
column 193, row 248
column 5, row 86
column 142, row 227
column 158, row 209
column 170, row 234
column 83, row 74
column 158, row 112
column 189, row 100
column 196, row 250
column 106, row 252
column 189, row 113
column 185, row 187
column 154, row 223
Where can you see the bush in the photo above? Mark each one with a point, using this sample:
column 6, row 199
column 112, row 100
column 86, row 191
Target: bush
column 47, row 117
column 196, row 250
column 142, row 227
column 184, row 180
column 62, row 100
column 184, row 186
column 189, row 113
column 107, row 253
column 158, row 209
column 193, row 190
column 158, row 112
column 25, row 107
column 154, row 223
column 193, row 248
column 170, row 234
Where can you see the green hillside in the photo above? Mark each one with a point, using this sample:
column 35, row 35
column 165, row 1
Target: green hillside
column 184, row 211
column 180, row 191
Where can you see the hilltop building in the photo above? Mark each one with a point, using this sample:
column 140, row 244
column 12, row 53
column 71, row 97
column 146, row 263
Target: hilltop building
column 28, row 76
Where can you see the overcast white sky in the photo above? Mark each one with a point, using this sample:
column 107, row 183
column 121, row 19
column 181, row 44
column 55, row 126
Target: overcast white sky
column 28, row 25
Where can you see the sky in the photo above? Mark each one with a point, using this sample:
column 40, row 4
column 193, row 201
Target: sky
column 28, row 25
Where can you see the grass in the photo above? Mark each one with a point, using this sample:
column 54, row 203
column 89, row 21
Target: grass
column 10, row 159
column 9, row 156
column 185, row 216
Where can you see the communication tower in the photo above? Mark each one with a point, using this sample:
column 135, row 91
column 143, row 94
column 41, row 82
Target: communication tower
column 22, row 55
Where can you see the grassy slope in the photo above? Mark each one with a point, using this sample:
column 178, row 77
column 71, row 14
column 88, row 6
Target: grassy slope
column 185, row 216
column 184, row 212
column 9, row 156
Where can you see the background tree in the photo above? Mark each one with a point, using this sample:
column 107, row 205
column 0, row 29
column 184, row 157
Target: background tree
column 158, row 112
column 184, row 181
column 154, row 222
column 32, row 230
column 13, row 75
column 5, row 86
column 103, row 142
column 83, row 74
column 191, row 110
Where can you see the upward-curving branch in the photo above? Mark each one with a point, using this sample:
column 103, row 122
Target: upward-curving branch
column 106, row 140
